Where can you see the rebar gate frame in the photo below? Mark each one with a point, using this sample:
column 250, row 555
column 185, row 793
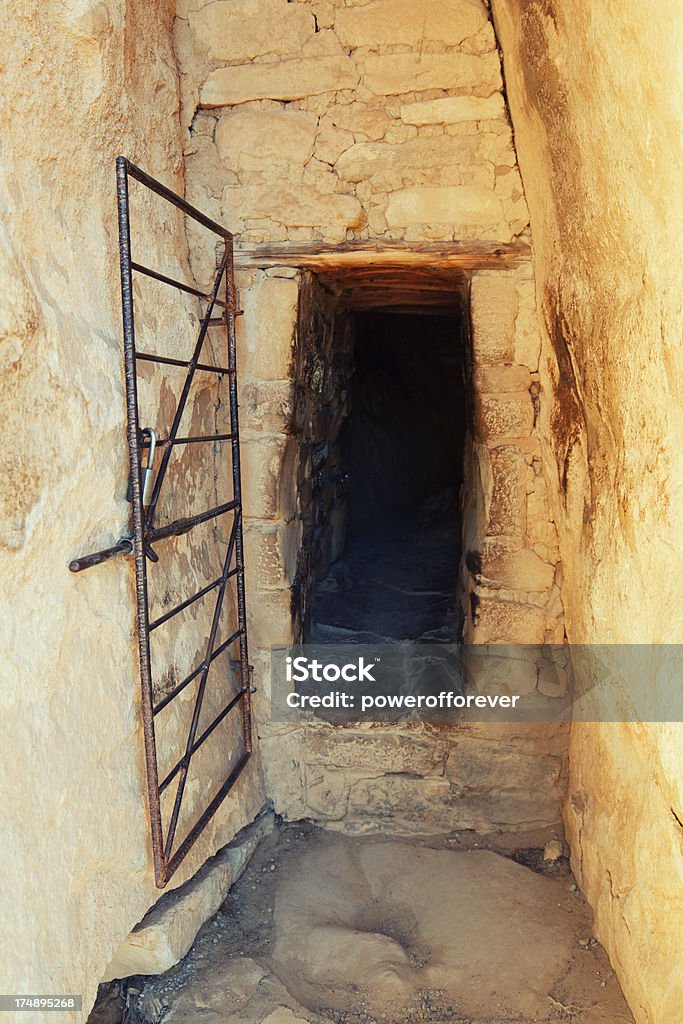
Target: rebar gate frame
column 144, row 533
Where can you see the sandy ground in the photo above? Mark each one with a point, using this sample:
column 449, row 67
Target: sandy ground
column 327, row 929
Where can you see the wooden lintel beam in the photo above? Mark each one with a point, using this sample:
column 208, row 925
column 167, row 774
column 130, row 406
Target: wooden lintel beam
column 317, row 256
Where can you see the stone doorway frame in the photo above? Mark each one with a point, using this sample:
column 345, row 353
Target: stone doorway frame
column 510, row 571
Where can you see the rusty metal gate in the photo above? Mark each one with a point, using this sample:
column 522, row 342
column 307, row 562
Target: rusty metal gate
column 146, row 535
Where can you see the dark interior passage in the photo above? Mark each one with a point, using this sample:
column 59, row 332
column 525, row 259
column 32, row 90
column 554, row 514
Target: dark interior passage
column 401, row 448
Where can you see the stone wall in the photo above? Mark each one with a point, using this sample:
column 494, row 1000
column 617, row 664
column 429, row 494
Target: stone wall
column 81, row 83
column 512, row 571
column 326, row 120
column 594, row 91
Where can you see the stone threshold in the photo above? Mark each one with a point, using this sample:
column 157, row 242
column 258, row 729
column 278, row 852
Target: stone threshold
column 169, row 928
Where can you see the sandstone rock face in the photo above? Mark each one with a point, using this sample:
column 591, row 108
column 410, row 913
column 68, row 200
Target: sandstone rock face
column 252, row 141
column 454, row 109
column 279, row 80
column 397, row 74
column 450, row 22
column 334, row 121
column 82, row 83
column 254, row 28
column 582, row 141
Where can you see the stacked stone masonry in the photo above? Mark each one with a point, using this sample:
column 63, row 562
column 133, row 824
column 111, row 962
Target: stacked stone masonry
column 325, row 120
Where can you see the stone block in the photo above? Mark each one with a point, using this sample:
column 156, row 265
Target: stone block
column 507, row 509
column 512, row 671
column 507, row 622
column 404, row 803
column 515, row 568
column 269, row 477
column 270, row 617
column 331, row 215
column 326, row 793
column 397, row 73
column 454, row 110
column 376, row 750
column 360, row 119
column 280, row 80
column 265, row 334
column 527, row 327
column 418, row 161
column 553, row 678
column 501, row 379
column 267, row 406
column 265, row 142
column 167, row 931
column 466, row 207
column 226, row 30
column 272, row 552
column 281, row 759
column 403, row 21
column 331, row 142
column 500, row 416
column 487, row 770
column 494, row 304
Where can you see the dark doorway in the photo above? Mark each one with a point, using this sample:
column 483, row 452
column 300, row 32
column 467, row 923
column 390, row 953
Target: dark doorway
column 401, row 447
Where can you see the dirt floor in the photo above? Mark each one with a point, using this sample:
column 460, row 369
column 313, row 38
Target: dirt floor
column 327, row 929
column 391, row 584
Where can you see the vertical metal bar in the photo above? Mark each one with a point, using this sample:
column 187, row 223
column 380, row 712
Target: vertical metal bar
column 230, row 307
column 133, row 430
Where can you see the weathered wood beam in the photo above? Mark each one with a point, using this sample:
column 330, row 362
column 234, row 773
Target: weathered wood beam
column 318, row 256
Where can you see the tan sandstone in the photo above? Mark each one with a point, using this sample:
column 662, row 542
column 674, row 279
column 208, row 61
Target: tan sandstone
column 454, row 109
column 280, row 80
column 466, row 207
column 601, row 169
column 394, row 74
column 252, row 28
column 266, row 141
column 404, row 21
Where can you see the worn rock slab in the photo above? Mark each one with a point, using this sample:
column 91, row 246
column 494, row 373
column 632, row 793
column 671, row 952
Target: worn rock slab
column 454, row 109
column 347, row 921
column 505, row 416
column 494, row 303
column 515, row 568
column 405, row 21
column 466, row 207
column 293, row 206
column 168, row 930
column 279, row 80
column 241, row 31
column 261, row 140
column 396, row 73
column 434, row 161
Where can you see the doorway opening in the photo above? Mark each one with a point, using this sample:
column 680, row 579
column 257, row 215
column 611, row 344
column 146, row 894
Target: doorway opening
column 400, row 462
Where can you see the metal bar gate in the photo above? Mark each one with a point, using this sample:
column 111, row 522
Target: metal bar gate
column 167, row 849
